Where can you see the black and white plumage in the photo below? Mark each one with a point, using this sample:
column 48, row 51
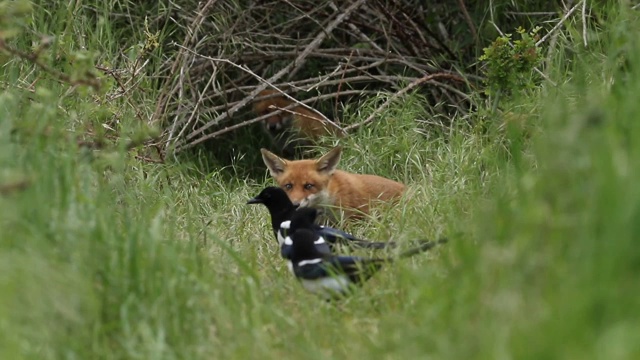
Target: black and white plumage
column 333, row 276
column 306, row 218
column 282, row 211
column 280, row 208
column 300, row 219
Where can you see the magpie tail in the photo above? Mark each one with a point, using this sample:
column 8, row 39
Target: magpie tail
column 428, row 245
column 365, row 244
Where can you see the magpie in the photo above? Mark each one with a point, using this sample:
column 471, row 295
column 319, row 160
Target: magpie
column 332, row 276
column 282, row 211
column 306, row 218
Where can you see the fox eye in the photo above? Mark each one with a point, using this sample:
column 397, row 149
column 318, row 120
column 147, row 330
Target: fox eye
column 308, row 186
column 288, row 186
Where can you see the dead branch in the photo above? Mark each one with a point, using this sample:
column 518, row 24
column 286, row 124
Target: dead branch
column 357, row 49
column 414, row 84
column 469, row 21
column 559, row 24
column 323, row 34
column 195, row 27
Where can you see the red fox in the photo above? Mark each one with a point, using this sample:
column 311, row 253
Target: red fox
column 317, row 183
column 294, row 127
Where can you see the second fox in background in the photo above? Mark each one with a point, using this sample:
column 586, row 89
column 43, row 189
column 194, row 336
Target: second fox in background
column 293, row 128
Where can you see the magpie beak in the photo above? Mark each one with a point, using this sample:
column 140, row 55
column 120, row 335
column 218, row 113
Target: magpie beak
column 255, row 200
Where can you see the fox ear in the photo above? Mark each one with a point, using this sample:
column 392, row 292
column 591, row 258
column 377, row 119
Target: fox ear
column 329, row 161
column 275, row 164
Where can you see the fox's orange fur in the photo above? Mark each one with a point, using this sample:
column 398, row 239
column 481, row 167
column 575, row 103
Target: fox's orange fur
column 293, row 127
column 317, row 183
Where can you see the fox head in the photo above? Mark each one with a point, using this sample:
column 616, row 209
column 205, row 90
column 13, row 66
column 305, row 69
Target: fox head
column 277, row 122
column 305, row 181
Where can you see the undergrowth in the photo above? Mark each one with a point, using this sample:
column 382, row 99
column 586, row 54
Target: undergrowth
column 106, row 255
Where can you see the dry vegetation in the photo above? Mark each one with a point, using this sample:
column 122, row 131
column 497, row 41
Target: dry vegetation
column 323, row 53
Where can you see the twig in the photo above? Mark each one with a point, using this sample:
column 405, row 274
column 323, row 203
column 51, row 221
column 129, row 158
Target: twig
column 427, row 30
column 550, row 52
column 255, row 120
column 195, row 26
column 112, row 73
column 242, row 103
column 306, row 101
column 193, row 115
column 467, row 18
column 559, row 24
column 584, row 22
column 335, row 109
column 532, row 13
column 357, row 31
column 324, row 81
column 396, row 95
column 262, row 117
column 224, row 131
column 193, row 111
column 391, row 79
column 322, row 35
column 553, row 83
column 180, row 89
column 146, row 159
column 321, row 81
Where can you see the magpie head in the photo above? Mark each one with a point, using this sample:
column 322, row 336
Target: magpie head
column 304, row 218
column 272, row 197
column 303, row 246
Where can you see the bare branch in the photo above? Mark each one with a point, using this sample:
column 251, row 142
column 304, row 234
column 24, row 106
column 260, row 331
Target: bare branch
column 467, row 18
column 221, row 70
column 559, row 24
column 195, row 26
column 584, row 22
column 323, row 34
column 398, row 94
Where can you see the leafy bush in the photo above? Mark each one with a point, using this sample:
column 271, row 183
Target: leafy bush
column 509, row 67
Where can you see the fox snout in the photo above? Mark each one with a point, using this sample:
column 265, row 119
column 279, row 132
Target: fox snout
column 299, row 203
column 274, row 126
column 312, row 200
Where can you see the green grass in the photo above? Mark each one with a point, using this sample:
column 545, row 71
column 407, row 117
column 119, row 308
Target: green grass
column 103, row 256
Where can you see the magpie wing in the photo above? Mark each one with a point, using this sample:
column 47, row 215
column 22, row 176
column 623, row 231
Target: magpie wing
column 333, row 266
column 312, row 271
column 333, row 235
column 356, row 268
